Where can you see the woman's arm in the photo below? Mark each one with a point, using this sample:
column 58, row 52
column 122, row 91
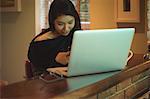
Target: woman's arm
column 63, row 57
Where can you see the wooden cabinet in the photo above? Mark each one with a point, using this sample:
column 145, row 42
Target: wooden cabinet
column 127, row 11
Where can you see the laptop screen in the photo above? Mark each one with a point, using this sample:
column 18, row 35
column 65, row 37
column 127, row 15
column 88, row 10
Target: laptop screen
column 96, row 51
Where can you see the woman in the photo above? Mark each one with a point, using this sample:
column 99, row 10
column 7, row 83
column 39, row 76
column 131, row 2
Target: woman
column 51, row 47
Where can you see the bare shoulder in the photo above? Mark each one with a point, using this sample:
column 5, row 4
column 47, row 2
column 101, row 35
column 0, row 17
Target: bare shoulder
column 44, row 36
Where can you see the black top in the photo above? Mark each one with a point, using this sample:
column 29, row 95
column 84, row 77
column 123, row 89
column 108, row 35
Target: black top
column 42, row 53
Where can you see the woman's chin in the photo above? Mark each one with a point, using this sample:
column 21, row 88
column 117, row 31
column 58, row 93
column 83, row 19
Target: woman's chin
column 65, row 34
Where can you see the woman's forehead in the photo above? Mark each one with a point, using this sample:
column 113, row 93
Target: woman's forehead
column 65, row 18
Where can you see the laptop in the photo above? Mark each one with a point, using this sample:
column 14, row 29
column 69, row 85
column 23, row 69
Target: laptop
column 97, row 51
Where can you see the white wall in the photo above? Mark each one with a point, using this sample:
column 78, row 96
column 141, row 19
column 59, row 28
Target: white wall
column 17, row 31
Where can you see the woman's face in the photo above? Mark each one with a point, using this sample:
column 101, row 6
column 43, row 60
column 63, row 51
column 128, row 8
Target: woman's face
column 64, row 24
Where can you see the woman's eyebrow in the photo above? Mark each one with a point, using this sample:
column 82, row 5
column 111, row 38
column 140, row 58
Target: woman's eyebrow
column 70, row 20
column 63, row 22
column 60, row 22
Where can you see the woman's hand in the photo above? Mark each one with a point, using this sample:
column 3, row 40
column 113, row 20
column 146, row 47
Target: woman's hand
column 63, row 57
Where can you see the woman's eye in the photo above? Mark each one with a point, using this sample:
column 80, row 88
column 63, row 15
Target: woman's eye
column 60, row 23
column 70, row 22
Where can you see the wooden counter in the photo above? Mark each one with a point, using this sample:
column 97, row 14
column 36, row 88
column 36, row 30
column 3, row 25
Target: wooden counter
column 99, row 86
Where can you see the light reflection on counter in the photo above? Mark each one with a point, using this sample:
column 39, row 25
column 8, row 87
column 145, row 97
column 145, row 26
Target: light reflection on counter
column 82, row 81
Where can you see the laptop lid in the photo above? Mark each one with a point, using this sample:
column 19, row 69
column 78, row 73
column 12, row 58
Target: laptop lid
column 95, row 51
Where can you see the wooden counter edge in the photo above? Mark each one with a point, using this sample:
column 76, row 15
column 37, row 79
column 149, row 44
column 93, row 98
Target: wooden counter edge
column 106, row 83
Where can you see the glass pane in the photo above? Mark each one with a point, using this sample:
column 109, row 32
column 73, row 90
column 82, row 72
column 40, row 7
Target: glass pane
column 84, row 10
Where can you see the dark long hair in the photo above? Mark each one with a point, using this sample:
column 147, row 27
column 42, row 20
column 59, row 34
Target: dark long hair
column 58, row 8
column 63, row 7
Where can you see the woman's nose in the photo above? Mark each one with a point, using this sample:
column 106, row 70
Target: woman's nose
column 66, row 28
